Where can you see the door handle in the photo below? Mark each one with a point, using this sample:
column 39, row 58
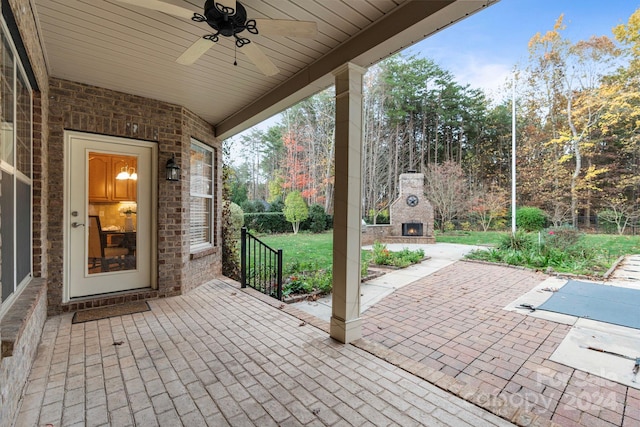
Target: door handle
column 76, row 224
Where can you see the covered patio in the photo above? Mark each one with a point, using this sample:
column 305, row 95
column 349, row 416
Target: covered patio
column 219, row 356
column 106, row 79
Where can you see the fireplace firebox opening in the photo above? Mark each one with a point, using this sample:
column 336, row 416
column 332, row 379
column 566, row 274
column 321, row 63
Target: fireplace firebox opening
column 412, row 229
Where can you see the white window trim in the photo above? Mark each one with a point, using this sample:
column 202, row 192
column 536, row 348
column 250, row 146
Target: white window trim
column 210, row 244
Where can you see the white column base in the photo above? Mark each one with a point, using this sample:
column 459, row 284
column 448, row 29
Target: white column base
column 345, row 331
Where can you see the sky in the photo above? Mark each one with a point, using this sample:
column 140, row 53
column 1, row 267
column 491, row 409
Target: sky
column 483, row 49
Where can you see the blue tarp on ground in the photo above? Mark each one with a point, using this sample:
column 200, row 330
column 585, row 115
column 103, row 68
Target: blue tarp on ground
column 604, row 303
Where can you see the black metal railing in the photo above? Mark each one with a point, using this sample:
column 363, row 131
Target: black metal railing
column 260, row 265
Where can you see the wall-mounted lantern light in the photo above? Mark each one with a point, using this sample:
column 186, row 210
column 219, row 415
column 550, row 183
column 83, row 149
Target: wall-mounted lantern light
column 173, row 170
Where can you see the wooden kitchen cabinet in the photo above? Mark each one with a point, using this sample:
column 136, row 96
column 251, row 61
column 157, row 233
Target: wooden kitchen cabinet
column 99, row 177
column 103, row 185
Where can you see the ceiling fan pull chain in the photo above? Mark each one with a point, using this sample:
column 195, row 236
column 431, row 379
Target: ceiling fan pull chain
column 235, row 56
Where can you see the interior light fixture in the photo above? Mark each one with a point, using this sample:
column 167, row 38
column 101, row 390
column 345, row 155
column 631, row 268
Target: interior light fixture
column 123, row 174
column 127, row 173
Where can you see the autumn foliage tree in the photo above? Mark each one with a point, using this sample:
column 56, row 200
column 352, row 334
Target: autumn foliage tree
column 487, row 205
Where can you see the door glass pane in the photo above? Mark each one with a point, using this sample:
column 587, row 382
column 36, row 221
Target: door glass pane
column 111, row 225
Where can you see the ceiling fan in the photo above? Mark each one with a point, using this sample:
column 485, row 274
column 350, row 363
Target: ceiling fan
column 229, row 19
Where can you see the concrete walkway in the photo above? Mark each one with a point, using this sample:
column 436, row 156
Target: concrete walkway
column 220, row 356
column 440, row 255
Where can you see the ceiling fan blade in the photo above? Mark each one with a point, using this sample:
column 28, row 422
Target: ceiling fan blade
column 259, row 59
column 161, row 6
column 287, row 28
column 194, row 52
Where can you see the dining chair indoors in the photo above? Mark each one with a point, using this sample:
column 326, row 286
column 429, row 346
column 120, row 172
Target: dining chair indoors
column 100, row 254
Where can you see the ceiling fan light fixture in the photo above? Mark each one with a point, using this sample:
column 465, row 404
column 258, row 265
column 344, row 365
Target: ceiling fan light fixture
column 225, row 20
column 228, row 18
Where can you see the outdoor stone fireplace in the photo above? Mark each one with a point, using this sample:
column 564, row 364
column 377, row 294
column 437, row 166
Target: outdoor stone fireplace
column 411, row 215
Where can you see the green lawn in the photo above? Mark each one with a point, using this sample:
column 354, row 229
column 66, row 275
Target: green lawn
column 614, row 244
column 314, row 251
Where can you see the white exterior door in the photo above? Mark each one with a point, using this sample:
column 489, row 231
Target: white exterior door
column 109, row 215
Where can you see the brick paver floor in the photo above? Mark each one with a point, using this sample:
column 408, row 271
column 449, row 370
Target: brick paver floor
column 453, row 321
column 219, row 356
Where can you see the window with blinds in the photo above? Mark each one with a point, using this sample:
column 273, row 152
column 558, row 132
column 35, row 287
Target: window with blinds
column 16, row 152
column 201, row 231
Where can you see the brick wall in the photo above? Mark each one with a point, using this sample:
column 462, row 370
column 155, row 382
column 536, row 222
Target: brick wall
column 80, row 107
column 201, row 266
column 25, row 337
column 375, row 233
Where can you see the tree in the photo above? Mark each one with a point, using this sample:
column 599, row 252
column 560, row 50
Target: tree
column 620, row 212
column 295, row 210
column 446, row 189
column 489, row 205
column 569, row 76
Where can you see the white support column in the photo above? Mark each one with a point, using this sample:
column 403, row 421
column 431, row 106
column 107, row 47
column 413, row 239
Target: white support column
column 345, row 320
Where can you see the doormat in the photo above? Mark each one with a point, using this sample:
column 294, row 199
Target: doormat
column 604, row 303
column 110, row 311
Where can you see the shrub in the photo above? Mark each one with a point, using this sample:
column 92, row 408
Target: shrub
column 519, row 241
column 561, row 238
column 252, row 206
column 266, row 222
column 380, row 255
column 449, row 226
column 277, row 205
column 364, row 265
column 530, row 219
column 317, row 221
column 296, row 285
column 236, row 219
column 321, row 280
column 499, row 224
column 303, row 277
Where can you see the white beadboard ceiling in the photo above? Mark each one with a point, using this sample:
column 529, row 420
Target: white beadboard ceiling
column 119, row 46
